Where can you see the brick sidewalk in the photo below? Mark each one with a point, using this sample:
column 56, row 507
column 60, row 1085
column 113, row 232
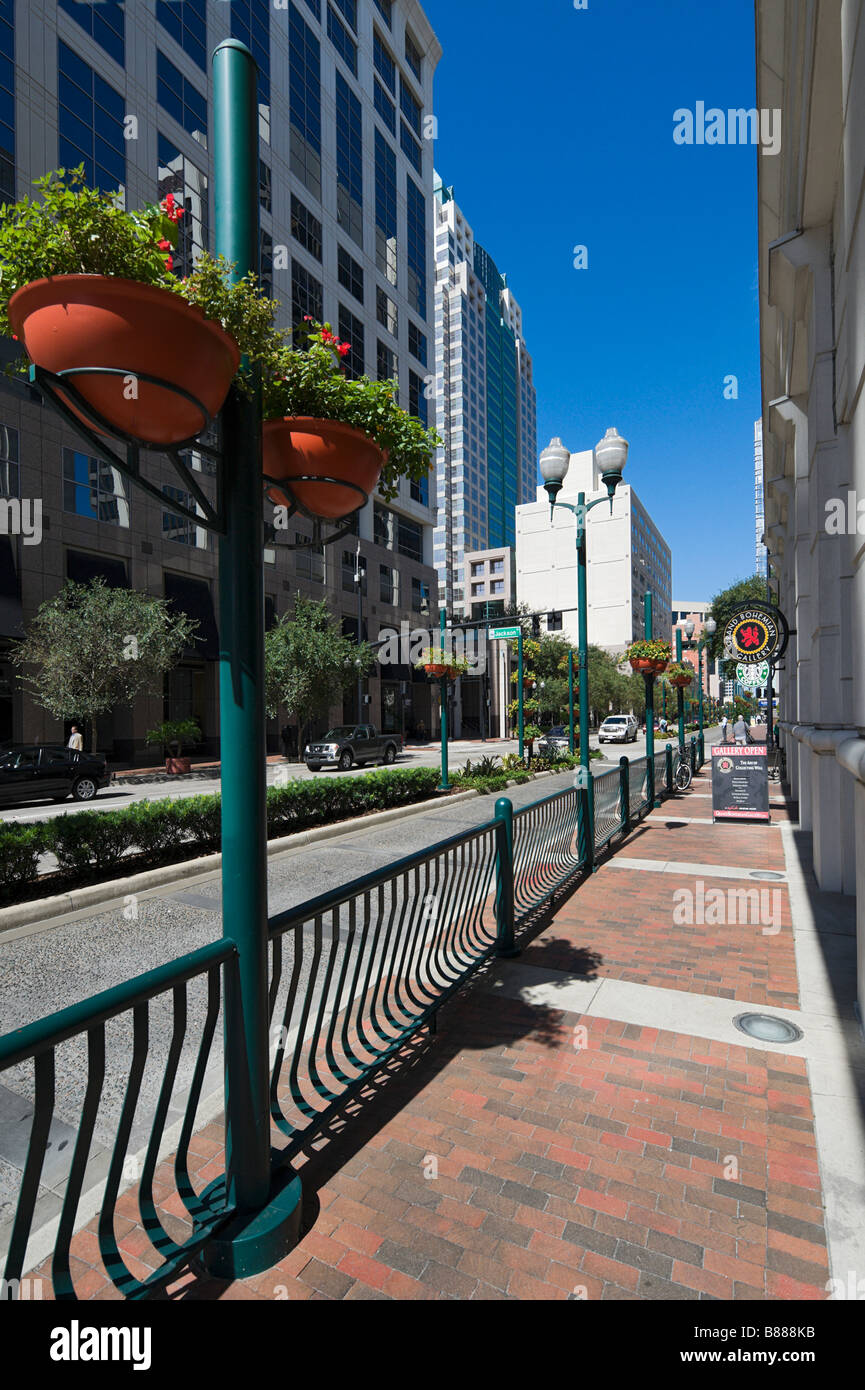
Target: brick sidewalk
column 525, row 1152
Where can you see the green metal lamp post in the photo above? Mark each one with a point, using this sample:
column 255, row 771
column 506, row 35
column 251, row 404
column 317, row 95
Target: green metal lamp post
column 268, row 1206
column 649, row 677
column 680, row 695
column 571, row 701
column 445, row 785
column 611, row 455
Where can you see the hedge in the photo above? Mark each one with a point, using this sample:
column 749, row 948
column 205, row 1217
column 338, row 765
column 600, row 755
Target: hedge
column 92, row 843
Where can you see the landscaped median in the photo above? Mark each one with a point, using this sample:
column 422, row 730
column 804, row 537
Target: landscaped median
column 93, row 846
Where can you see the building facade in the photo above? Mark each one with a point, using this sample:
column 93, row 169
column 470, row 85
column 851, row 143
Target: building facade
column 485, row 403
column 626, row 554
column 812, row 306
column 698, row 614
column 760, row 552
column 346, row 208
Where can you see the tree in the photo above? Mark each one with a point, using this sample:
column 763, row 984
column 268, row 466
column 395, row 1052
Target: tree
column 93, row 649
column 723, row 606
column 308, row 663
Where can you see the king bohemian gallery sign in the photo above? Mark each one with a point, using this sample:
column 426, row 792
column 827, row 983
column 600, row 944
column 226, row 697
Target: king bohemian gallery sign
column 755, row 633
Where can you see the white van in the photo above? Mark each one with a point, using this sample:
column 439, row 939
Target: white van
column 619, row 728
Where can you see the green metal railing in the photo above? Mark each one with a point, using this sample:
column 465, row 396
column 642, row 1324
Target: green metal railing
column 38, row 1044
column 354, row 974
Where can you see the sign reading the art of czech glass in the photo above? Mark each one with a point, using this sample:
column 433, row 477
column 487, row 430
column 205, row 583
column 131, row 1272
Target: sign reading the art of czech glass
column 740, row 782
column 756, row 633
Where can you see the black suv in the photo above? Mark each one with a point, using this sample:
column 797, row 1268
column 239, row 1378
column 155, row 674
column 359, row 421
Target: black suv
column 31, row 772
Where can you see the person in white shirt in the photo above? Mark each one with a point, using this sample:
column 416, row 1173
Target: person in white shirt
column 724, row 726
column 76, row 742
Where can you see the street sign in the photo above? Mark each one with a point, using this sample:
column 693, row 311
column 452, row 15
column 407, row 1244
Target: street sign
column 753, row 676
column 757, row 632
column 740, row 782
column 504, row 634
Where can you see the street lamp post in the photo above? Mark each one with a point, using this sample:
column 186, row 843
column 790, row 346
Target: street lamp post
column 571, row 701
column 359, row 576
column 710, row 628
column 611, row 455
column 445, row 784
column 680, row 693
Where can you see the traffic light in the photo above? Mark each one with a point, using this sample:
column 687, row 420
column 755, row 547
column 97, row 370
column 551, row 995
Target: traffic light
column 536, row 627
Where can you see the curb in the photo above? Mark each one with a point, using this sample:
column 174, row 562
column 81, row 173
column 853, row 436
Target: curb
column 94, row 894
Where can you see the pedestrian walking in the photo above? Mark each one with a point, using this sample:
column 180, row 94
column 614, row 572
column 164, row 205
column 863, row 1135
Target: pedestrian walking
column 724, row 725
column 76, row 742
column 741, row 732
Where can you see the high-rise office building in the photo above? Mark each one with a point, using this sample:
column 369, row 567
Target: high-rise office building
column 760, row 552
column 346, row 205
column 485, row 403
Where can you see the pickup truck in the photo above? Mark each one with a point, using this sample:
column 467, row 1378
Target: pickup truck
column 352, row 745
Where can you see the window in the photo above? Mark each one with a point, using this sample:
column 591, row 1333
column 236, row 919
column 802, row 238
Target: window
column 350, row 273
column 409, row 539
column 478, row 567
column 309, row 559
column 413, row 55
column 383, row 63
column 417, row 401
column 383, row 526
column 307, row 296
column 410, row 147
column 10, row 480
column 90, row 120
column 385, row 107
column 351, row 331
column 104, row 23
column 315, row 6
column 342, row 40
column 7, row 102
column 410, row 108
column 93, row 489
column 416, row 224
column 250, row 22
column 349, row 161
column 265, row 255
column 385, row 209
column 348, row 8
column 186, row 22
column 181, row 99
column 388, row 584
column 417, row 343
column 265, row 186
column 176, row 527
column 420, row 491
column 385, row 9
column 304, row 90
column 305, row 227
column 188, row 183
column 420, row 596
column 497, row 586
column 386, row 312
column 386, row 366
column 350, row 568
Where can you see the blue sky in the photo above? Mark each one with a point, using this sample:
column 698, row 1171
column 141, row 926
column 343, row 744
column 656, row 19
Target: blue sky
column 556, row 130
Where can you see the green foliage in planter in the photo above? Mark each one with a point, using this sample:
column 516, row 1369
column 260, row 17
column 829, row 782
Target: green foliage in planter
column 487, row 766
column 314, row 383
column 159, row 829
column 20, row 848
column 174, row 734
column 679, row 668
column 201, row 817
column 532, row 732
column 439, row 656
column 512, row 762
column 654, row 650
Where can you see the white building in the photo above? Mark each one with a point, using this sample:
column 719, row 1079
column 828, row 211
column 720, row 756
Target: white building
column 626, row 556
column 485, row 403
column 812, row 308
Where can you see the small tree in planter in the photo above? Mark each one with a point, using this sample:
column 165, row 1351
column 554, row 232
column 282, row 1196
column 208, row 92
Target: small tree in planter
column 328, row 439
column 531, row 732
column 173, row 735
column 649, row 656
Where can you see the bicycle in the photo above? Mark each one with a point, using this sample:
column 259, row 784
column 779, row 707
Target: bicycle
column 682, row 774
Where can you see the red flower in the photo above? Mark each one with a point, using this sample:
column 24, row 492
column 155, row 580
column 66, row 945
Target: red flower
column 168, row 202
column 307, row 318
column 164, row 245
column 344, row 349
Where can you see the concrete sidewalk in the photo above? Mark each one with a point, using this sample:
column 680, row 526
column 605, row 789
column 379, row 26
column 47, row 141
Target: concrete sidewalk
column 588, row 1122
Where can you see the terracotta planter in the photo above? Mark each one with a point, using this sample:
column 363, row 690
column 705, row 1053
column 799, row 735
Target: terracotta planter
column 646, row 665
column 74, row 321
column 437, row 672
column 680, row 681
column 329, row 469
column 176, row 766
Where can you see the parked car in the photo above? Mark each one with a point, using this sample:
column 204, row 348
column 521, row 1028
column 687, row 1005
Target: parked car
column 33, row 772
column 554, row 742
column 352, row 745
column 618, row 728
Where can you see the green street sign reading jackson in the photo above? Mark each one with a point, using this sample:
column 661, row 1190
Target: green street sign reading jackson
column 504, row 634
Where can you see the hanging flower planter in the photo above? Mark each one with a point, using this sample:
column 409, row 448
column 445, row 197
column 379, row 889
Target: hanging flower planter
column 648, row 657
column 327, row 469
column 680, row 675
column 441, row 665
column 109, row 337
